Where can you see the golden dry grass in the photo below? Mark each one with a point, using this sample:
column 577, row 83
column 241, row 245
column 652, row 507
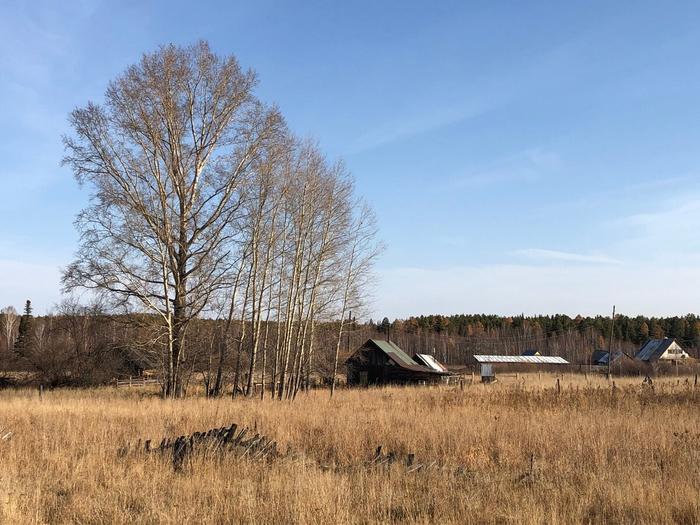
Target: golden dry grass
column 629, row 456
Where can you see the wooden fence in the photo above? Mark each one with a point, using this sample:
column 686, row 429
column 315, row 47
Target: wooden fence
column 136, row 381
column 222, row 440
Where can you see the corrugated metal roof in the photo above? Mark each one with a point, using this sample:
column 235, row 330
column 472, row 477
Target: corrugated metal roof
column 533, row 359
column 429, row 361
column 400, row 357
column 390, row 348
column 653, row 349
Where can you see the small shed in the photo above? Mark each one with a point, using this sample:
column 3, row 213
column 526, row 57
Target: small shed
column 666, row 349
column 531, row 352
column 380, row 362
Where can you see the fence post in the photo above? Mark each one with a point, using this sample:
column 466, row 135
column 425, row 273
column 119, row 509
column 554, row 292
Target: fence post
column 129, row 381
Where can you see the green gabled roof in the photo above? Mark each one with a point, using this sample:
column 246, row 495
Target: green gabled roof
column 393, row 349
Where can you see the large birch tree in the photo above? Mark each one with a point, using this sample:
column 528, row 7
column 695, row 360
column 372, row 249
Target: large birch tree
column 166, row 156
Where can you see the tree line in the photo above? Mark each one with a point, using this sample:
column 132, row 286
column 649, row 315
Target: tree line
column 455, row 338
column 629, row 329
column 87, row 345
column 79, row 345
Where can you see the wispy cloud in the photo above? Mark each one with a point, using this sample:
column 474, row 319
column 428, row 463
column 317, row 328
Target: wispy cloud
column 629, row 195
column 529, row 166
column 539, row 254
column 36, row 53
column 418, row 123
column 676, row 212
column 500, row 87
column 668, row 228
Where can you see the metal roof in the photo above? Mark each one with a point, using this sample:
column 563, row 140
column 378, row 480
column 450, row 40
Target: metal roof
column 600, row 357
column 429, row 361
column 400, row 357
column 655, row 348
column 532, row 359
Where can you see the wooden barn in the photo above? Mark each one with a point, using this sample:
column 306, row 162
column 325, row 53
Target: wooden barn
column 382, row 363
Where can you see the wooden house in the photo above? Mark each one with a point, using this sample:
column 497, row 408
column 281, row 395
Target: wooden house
column 666, row 349
column 380, row 362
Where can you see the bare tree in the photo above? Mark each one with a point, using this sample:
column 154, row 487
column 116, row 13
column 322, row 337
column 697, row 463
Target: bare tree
column 362, row 250
column 9, row 325
column 166, row 156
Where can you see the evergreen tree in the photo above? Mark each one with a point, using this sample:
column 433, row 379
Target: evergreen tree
column 678, row 328
column 385, row 326
column 442, row 324
column 643, row 332
column 24, row 333
column 693, row 334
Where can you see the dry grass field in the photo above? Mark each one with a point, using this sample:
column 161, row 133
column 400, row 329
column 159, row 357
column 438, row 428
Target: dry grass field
column 514, row 452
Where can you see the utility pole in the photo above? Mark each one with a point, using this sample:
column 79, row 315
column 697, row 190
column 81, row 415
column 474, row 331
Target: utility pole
column 610, row 342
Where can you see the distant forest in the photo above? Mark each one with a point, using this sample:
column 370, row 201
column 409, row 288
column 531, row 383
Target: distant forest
column 455, row 338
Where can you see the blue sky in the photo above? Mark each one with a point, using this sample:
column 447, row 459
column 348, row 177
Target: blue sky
column 534, row 157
